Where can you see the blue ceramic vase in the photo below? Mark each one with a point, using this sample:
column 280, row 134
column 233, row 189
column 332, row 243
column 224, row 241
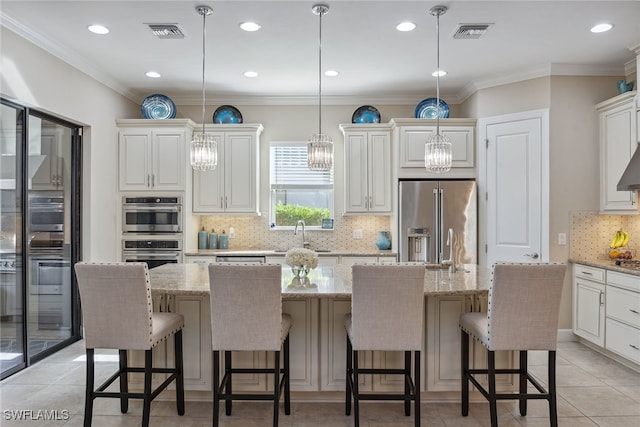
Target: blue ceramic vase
column 383, row 242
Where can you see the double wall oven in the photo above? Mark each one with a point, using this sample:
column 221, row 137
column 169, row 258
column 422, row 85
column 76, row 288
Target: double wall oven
column 152, row 229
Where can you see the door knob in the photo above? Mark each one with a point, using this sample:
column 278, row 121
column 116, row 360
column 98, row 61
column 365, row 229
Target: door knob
column 533, row 255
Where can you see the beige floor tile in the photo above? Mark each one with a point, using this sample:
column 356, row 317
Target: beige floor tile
column 617, row 421
column 600, row 401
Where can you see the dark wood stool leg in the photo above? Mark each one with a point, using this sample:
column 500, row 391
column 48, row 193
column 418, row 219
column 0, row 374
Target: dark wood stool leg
column 177, row 348
column 493, row 406
column 464, row 368
column 227, row 385
column 347, row 402
column 416, row 383
column 216, row 388
column 124, row 384
column 407, row 388
column 287, row 382
column 146, row 407
column 356, row 393
column 553, row 409
column 523, row 382
column 88, row 394
column 276, row 387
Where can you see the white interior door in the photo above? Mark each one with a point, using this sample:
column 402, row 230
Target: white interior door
column 515, row 162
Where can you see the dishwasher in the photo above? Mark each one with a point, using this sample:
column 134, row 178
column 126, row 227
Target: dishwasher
column 241, row 258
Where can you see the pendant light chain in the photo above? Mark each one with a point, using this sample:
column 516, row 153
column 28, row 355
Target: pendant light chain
column 438, row 13
column 321, row 12
column 204, row 11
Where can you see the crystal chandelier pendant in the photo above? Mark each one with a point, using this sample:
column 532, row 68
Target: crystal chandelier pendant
column 437, row 154
column 320, row 152
column 204, row 152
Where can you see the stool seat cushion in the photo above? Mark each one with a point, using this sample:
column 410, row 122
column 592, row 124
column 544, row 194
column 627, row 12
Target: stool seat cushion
column 165, row 325
column 476, row 325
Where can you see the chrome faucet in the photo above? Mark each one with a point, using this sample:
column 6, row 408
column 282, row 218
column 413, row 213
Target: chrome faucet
column 300, row 223
column 451, row 262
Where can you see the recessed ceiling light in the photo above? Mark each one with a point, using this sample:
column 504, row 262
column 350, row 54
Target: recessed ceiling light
column 601, row 28
column 405, row 26
column 250, row 74
column 331, row 73
column 152, row 74
column 439, row 73
column 98, row 29
column 250, row 26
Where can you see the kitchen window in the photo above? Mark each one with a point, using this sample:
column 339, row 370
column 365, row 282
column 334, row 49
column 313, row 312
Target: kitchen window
column 296, row 191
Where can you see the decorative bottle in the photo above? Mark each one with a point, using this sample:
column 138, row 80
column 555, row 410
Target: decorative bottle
column 224, row 241
column 383, row 242
column 202, row 239
column 213, row 239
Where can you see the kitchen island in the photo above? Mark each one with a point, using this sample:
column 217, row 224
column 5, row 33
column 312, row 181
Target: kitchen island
column 318, row 340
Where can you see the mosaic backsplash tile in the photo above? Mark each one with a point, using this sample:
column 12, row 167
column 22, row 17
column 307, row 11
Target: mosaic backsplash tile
column 254, row 233
column 591, row 233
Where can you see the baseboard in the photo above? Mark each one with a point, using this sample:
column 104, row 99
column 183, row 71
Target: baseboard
column 566, row 335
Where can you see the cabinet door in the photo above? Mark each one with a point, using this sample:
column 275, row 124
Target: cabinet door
column 617, row 145
column 379, row 172
column 588, row 311
column 413, row 139
column 356, row 190
column 46, row 177
column 208, row 186
column 240, row 173
column 135, row 159
column 443, row 342
column 168, row 160
column 303, row 343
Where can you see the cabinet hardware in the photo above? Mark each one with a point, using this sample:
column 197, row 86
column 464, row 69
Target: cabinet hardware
column 533, row 255
column 600, row 298
column 148, row 180
column 634, row 311
column 635, row 347
column 153, row 180
column 586, row 273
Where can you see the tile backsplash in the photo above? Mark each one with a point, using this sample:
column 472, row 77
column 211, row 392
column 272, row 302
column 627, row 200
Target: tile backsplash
column 254, row 233
column 591, row 233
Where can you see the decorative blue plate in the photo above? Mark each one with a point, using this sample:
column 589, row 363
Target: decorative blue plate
column 366, row 114
column 227, row 114
column 428, row 109
column 158, row 106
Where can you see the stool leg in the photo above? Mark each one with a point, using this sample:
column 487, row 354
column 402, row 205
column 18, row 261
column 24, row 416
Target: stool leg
column 464, row 368
column 493, row 407
column 227, row 385
column 276, row 387
column 553, row 409
column 416, row 384
column 407, row 388
column 287, row 382
column 347, row 402
column 146, row 408
column 177, row 349
column 523, row 382
column 88, row 396
column 216, row 388
column 356, row 393
column 124, row 385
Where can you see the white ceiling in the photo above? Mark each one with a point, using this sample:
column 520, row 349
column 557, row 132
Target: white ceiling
column 377, row 64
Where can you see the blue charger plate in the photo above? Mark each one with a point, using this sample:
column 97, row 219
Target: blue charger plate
column 158, row 106
column 428, row 109
column 366, row 114
column 227, row 114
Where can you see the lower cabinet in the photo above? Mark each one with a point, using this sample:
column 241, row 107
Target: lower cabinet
column 623, row 315
column 588, row 303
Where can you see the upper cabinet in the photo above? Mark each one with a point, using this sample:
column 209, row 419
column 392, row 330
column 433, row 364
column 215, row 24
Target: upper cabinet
column 152, row 154
column 367, row 168
column 233, row 186
column 412, row 134
column 618, row 142
column 50, row 173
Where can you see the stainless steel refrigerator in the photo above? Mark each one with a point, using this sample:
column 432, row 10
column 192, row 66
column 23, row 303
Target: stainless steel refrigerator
column 438, row 221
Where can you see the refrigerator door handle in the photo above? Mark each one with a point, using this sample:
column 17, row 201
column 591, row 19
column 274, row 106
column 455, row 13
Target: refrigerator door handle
column 437, row 256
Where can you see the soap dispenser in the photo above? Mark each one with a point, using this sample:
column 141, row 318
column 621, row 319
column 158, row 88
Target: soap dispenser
column 202, row 239
column 213, row 239
column 224, row 240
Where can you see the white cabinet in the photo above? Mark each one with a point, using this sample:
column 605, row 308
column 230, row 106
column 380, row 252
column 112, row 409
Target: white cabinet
column 588, row 303
column 623, row 315
column 233, row 186
column 412, row 134
column 50, row 173
column 198, row 259
column 367, row 168
column 618, row 142
column 152, row 154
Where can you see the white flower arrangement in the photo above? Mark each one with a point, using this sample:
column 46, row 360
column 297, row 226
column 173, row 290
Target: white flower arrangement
column 301, row 256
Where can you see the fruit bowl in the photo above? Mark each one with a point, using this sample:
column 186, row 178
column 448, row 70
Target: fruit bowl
column 621, row 253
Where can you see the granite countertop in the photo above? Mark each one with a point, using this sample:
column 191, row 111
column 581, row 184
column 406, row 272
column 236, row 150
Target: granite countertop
column 607, row 264
column 327, row 281
column 283, row 252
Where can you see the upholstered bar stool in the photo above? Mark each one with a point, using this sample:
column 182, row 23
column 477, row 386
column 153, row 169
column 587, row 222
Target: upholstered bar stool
column 523, row 311
column 387, row 305
column 246, row 315
column 117, row 314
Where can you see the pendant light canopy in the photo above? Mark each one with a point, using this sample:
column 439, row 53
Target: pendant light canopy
column 320, row 146
column 203, row 148
column 437, row 150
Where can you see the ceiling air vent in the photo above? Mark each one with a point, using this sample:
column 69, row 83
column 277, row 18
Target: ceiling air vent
column 167, row 31
column 470, row 31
